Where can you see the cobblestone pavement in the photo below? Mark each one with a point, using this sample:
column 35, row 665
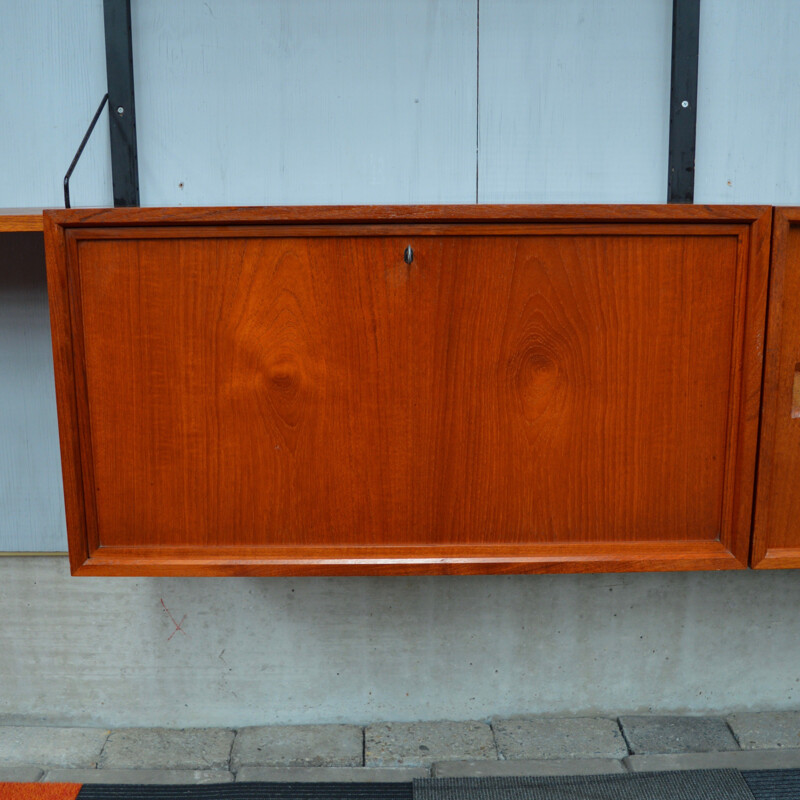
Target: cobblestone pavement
column 400, row 751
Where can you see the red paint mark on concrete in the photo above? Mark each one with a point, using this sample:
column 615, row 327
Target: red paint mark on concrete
column 176, row 624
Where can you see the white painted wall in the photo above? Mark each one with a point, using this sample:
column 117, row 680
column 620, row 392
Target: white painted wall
column 574, row 101
column 52, row 78
column 302, row 102
column 328, row 101
column 360, row 101
column 748, row 105
column 31, row 498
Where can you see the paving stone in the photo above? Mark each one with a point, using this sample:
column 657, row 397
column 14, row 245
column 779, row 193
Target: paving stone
column 21, row 774
column 58, row 747
column 766, row 729
column 298, row 746
column 539, row 767
column 730, row 759
column 422, row 743
column 138, row 776
column 537, row 738
column 654, row 734
column 166, row 748
column 332, row 774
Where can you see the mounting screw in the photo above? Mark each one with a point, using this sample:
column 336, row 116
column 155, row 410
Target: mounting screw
column 408, row 256
column 685, row 104
column 120, row 110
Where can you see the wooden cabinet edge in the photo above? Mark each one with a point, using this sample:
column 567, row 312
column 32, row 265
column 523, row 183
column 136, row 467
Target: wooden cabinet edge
column 65, row 392
column 483, row 213
column 778, row 558
column 21, row 220
column 706, row 556
column 762, row 556
column 740, row 538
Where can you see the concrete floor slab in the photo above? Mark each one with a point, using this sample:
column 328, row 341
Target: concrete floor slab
column 58, row 747
column 21, row 774
column 559, row 737
column 167, row 748
column 138, row 776
column 332, row 774
column 730, row 759
column 657, row 734
column 298, row 746
column 766, row 729
column 523, row 767
column 423, row 743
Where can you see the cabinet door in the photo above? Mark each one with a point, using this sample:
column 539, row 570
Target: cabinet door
column 776, row 538
column 423, row 390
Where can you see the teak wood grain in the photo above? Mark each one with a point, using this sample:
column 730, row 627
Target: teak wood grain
column 21, row 220
column 276, row 391
column 776, row 534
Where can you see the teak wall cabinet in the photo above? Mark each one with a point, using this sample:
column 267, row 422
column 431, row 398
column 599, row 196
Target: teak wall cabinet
column 409, row 390
column 776, row 535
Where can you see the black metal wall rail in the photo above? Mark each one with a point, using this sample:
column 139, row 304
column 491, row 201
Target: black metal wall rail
column 683, row 100
column 121, row 105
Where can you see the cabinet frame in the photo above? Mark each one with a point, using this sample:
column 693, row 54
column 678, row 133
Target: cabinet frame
column 730, row 551
column 783, row 322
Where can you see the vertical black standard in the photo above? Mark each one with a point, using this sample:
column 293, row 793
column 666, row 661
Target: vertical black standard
column 121, row 107
column 683, row 100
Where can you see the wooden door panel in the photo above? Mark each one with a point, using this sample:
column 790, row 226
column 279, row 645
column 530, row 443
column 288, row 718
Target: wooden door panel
column 530, row 393
column 776, row 536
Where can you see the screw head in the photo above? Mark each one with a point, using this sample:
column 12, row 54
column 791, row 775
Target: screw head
column 685, row 104
column 120, row 110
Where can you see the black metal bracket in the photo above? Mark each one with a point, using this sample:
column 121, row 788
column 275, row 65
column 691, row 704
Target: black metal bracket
column 80, row 149
column 122, row 109
column 683, row 100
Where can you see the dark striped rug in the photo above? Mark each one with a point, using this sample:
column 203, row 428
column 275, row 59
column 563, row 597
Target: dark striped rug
column 711, row 784
column 774, row 784
column 690, row 785
column 252, row 791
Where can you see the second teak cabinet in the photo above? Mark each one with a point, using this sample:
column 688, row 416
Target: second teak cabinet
column 776, row 530
column 422, row 390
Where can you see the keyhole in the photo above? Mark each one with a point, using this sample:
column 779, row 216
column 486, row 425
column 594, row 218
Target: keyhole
column 408, row 256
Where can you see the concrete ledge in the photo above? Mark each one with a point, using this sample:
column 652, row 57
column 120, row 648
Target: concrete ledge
column 49, row 745
column 764, row 730
column 657, row 735
column 537, row 738
column 420, row 744
column 167, row 749
column 301, row 746
column 523, row 767
column 730, row 759
column 138, row 776
column 332, row 774
column 21, row 774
